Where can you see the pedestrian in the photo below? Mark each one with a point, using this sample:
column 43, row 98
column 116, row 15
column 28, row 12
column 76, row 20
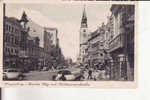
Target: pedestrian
column 90, row 74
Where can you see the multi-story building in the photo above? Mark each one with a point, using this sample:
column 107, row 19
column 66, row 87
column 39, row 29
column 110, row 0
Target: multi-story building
column 12, row 38
column 23, row 53
column 51, row 46
column 50, row 38
column 54, row 35
column 29, row 45
column 108, row 31
column 33, row 52
column 47, row 41
column 84, row 34
column 96, row 44
column 121, row 43
column 48, row 47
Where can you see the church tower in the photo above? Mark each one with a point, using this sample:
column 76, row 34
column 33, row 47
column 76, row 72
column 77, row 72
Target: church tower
column 83, row 36
column 83, row 28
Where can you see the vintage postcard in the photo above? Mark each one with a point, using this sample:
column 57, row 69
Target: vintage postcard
column 76, row 44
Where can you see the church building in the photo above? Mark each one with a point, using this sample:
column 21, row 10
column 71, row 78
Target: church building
column 84, row 33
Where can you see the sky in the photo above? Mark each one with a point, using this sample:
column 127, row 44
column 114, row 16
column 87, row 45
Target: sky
column 65, row 17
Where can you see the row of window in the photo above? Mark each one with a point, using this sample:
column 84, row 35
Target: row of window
column 11, row 50
column 12, row 39
column 33, row 51
column 11, row 29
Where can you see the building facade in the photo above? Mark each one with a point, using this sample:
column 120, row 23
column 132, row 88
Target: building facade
column 29, row 46
column 96, row 44
column 54, row 55
column 33, row 52
column 48, row 46
column 12, row 38
column 121, row 43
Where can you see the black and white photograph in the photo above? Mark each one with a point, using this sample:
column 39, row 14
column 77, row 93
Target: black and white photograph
column 69, row 42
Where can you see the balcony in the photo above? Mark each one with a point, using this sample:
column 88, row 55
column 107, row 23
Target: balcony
column 116, row 43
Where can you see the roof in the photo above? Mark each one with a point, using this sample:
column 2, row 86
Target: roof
column 12, row 20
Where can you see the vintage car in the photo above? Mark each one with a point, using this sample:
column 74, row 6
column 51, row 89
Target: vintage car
column 66, row 75
column 12, row 74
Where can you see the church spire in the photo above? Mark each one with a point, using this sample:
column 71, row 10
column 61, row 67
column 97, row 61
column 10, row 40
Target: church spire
column 84, row 19
column 24, row 17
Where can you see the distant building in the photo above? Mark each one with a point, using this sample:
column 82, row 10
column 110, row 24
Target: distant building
column 48, row 47
column 51, row 46
column 47, row 41
column 53, row 32
column 35, row 30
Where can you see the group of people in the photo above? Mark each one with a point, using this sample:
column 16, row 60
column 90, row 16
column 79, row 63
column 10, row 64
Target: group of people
column 95, row 71
column 93, row 74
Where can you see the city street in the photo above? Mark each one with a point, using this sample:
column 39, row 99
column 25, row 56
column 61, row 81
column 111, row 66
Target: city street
column 37, row 75
column 98, row 48
column 45, row 75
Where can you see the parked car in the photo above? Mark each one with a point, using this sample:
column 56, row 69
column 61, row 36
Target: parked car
column 12, row 74
column 66, row 75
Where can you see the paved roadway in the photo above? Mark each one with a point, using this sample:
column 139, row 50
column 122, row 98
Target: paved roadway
column 44, row 75
column 41, row 76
